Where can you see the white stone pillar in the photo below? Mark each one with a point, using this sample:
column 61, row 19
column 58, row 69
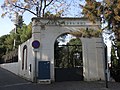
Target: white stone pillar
column 93, row 59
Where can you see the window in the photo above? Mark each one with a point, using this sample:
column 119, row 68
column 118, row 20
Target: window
column 24, row 58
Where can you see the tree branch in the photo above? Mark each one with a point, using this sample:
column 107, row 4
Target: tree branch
column 49, row 3
column 25, row 9
column 45, row 5
column 40, row 7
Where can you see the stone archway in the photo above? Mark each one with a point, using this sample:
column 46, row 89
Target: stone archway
column 68, row 59
column 47, row 30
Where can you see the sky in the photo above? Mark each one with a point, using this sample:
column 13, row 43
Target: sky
column 6, row 25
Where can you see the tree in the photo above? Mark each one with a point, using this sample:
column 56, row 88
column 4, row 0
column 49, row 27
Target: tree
column 26, row 33
column 19, row 22
column 39, row 8
column 87, row 33
column 36, row 7
column 20, row 6
column 2, row 46
column 110, row 11
column 9, row 42
column 7, row 49
column 75, row 52
column 66, row 55
column 23, row 34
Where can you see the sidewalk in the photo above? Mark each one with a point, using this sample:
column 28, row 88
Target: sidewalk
column 81, row 85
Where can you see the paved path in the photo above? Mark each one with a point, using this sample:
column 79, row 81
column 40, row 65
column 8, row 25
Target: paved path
column 9, row 81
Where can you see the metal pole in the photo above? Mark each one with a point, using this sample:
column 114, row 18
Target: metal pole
column 106, row 59
column 106, row 68
column 35, row 66
column 14, row 38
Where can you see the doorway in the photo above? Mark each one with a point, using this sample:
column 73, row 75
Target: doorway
column 68, row 59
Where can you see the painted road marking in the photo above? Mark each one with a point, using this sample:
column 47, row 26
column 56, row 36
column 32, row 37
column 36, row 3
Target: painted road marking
column 18, row 84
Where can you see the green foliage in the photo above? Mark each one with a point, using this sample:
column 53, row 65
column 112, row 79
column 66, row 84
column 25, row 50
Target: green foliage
column 118, row 45
column 87, row 33
column 92, row 10
column 20, row 36
column 2, row 39
column 16, row 38
column 65, row 56
column 9, row 41
column 2, row 45
column 24, row 33
column 75, row 41
column 19, row 22
column 115, row 64
column 110, row 10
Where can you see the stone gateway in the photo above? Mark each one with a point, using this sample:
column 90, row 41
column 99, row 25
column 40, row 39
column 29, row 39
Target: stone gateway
column 38, row 64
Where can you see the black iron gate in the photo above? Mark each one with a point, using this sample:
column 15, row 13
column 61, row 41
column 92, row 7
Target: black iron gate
column 115, row 64
column 68, row 63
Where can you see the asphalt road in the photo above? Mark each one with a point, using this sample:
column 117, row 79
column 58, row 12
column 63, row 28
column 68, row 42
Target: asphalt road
column 9, row 81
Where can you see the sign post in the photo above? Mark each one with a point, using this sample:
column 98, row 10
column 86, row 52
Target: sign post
column 35, row 45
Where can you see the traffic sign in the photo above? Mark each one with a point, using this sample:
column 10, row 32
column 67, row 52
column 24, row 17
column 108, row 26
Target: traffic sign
column 35, row 44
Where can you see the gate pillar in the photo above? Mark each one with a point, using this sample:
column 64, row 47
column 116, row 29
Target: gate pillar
column 93, row 59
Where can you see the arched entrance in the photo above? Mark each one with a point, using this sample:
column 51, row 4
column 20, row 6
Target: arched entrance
column 68, row 59
column 46, row 31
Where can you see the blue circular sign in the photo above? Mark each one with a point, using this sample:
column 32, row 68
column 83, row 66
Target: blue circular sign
column 35, row 44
